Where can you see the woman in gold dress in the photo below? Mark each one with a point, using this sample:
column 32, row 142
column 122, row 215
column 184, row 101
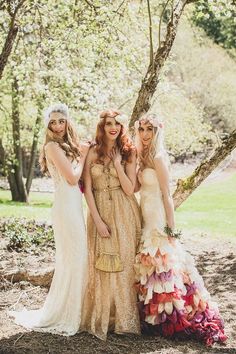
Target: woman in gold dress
column 113, row 230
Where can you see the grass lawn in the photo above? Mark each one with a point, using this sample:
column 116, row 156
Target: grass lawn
column 210, row 209
column 38, row 207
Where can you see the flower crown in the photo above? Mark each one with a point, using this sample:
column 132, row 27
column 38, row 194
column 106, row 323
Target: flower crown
column 59, row 107
column 120, row 118
column 153, row 121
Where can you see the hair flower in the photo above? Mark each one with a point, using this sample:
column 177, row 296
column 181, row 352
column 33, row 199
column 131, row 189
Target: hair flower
column 136, row 124
column 59, row 107
column 122, row 119
column 154, row 122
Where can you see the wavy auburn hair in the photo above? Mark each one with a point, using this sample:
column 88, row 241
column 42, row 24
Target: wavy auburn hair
column 123, row 141
column 69, row 143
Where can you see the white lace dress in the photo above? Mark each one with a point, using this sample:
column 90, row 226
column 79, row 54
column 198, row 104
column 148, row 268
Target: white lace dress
column 61, row 312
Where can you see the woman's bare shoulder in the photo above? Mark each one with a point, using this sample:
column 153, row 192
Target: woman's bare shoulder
column 51, row 146
column 92, row 154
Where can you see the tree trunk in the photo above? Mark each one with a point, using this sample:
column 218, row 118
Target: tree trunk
column 33, row 154
column 2, row 157
column 11, row 35
column 9, row 41
column 151, row 79
column 143, row 104
column 13, row 186
column 15, row 176
column 7, row 48
column 186, row 187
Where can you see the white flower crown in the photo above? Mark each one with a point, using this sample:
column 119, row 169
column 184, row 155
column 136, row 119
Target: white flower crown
column 59, row 107
column 122, row 119
column 154, row 121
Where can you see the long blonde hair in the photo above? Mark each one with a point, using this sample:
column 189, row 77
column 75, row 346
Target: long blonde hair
column 156, row 148
column 69, row 143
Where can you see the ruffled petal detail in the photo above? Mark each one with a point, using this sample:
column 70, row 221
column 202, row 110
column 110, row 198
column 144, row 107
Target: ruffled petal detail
column 172, row 295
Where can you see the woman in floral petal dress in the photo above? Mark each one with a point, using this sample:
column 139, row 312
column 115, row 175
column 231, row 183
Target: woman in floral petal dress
column 114, row 229
column 172, row 296
column 63, row 157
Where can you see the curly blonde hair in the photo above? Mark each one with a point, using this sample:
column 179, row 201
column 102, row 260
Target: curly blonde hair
column 69, row 143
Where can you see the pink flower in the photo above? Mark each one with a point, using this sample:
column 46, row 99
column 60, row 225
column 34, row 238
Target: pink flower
column 136, row 124
column 155, row 122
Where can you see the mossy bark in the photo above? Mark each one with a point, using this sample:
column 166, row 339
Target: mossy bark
column 185, row 187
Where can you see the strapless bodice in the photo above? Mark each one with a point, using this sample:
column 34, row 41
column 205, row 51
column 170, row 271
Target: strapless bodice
column 149, row 181
column 151, row 201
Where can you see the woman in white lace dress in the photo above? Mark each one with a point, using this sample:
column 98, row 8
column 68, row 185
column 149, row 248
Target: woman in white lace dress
column 63, row 157
column 172, row 295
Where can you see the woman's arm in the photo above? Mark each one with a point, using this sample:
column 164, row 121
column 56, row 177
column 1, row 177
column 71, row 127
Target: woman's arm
column 127, row 177
column 102, row 228
column 138, row 182
column 84, row 152
column 64, row 166
column 164, row 182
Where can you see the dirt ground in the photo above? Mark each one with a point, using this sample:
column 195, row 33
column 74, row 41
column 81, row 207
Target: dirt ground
column 215, row 259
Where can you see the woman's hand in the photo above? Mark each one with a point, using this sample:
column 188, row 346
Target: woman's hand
column 103, row 229
column 85, row 149
column 115, row 156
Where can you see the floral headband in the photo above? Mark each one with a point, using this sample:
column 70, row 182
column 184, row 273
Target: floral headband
column 60, row 108
column 153, row 121
column 120, row 118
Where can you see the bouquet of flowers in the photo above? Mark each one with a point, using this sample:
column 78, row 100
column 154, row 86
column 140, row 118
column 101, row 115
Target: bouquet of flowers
column 171, row 233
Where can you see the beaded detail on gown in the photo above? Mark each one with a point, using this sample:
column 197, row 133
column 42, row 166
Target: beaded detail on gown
column 110, row 300
column 61, row 312
column 172, row 295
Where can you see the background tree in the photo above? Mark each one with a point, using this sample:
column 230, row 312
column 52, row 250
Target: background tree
column 148, row 88
column 95, row 55
column 217, row 18
column 11, row 10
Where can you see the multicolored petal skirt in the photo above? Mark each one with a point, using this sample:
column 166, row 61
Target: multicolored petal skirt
column 172, row 297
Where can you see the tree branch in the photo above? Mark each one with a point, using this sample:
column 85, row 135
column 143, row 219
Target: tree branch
column 151, row 79
column 2, row 4
column 7, row 48
column 150, row 34
column 161, row 16
column 38, row 278
column 186, row 187
column 11, row 36
column 92, row 5
column 118, row 8
column 30, row 174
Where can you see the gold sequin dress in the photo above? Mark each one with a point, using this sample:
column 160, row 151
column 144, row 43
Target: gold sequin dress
column 110, row 300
